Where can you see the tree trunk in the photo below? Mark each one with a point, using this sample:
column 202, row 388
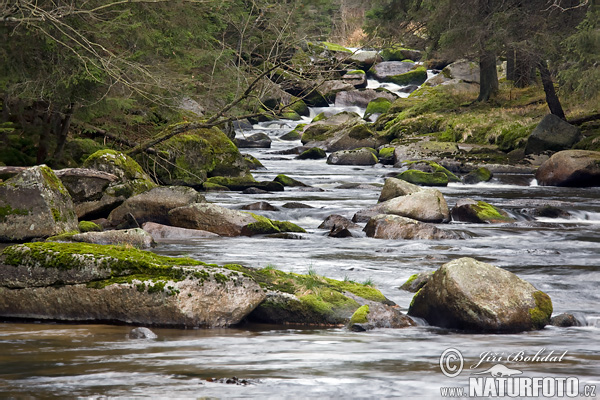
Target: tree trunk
column 551, row 97
column 488, row 75
column 46, row 128
column 63, row 132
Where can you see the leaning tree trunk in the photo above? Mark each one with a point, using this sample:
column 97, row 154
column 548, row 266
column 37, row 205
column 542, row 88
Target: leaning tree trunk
column 551, row 97
column 488, row 75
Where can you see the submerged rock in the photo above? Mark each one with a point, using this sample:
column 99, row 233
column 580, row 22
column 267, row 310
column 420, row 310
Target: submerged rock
column 396, row 227
column 470, row 295
column 85, row 282
column 35, row 204
column 576, row 168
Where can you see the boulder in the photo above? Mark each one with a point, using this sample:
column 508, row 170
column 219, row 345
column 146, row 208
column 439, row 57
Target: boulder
column 576, row 168
column 335, row 221
column 165, row 232
column 479, row 212
column 357, row 78
column 565, row 321
column 136, row 237
column 154, row 205
column 424, row 178
column 416, row 281
column 387, row 69
column 478, row 175
column 396, row 227
column 397, row 187
column 352, row 157
column 244, row 183
column 467, row 294
column 35, row 204
column 463, row 70
column 142, row 333
column 85, row 282
column 85, row 184
column 365, row 59
column 377, row 107
column 424, row 150
column 361, row 98
column 189, row 159
column 255, row 141
column 377, row 315
column 331, row 88
column 399, row 53
column 386, row 155
column 260, row 206
column 427, row 205
column 552, row 134
column 119, row 164
column 429, row 166
column 314, row 153
column 289, row 182
column 7, row 172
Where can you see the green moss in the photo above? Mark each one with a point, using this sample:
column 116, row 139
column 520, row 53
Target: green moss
column 387, row 152
column 395, row 53
column 214, row 187
column 411, row 279
column 116, row 161
column 312, row 154
column 414, row 77
column 541, row 313
column 7, row 210
column 53, row 182
column 231, row 182
column 436, row 168
column 487, row 212
column 286, row 226
column 287, row 181
column 424, row 178
column 298, row 106
column 364, row 291
column 317, row 133
column 335, row 47
column 379, row 105
column 514, row 136
column 291, row 115
column 66, row 236
column 88, row 226
column 360, row 315
column 482, row 174
column 356, row 72
column 319, row 117
column 252, row 162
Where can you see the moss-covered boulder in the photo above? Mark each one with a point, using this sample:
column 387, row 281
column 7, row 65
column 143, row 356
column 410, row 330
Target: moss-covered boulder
column 243, row 183
column 400, row 53
column 396, row 227
column 471, row 295
column 376, row 315
column 387, row 69
column 361, row 98
column 424, row 178
column 314, row 153
column 122, row 166
column 352, row 157
column 189, row 159
column 481, row 174
column 416, row 281
column 86, row 282
column 153, row 205
column 377, row 107
column 89, row 226
column 35, row 204
column 289, row 182
column 294, row 134
column 386, row 155
column 429, row 166
column 226, row 222
column 414, row 77
column 576, row 168
column 468, row 210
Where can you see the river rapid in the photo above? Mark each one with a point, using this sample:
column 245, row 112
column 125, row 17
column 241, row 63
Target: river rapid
column 559, row 256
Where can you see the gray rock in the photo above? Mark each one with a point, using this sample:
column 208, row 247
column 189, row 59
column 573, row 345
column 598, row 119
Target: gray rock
column 154, row 205
column 470, row 295
column 352, row 157
column 358, row 80
column 377, row 315
column 565, row 321
column 427, row 205
column 142, row 333
column 260, row 206
column 35, row 204
column 365, row 59
column 479, row 212
column 576, row 168
column 210, row 217
column 335, row 220
column 254, row 141
column 165, row 232
column 397, row 187
column 552, row 134
column 136, row 237
column 463, row 70
column 416, row 282
column 396, row 227
column 361, row 98
column 387, row 69
column 85, row 184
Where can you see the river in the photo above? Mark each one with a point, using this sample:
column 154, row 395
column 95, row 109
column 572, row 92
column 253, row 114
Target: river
column 560, row 257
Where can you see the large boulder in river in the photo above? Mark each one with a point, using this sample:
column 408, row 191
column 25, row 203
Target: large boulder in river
column 358, row 78
column 577, row 168
column 85, row 184
column 552, row 134
column 394, row 187
column 352, row 157
column 154, row 205
column 85, row 282
column 427, row 205
column 396, row 227
column 189, row 159
column 468, row 210
column 470, row 295
column 351, row 134
column 35, row 204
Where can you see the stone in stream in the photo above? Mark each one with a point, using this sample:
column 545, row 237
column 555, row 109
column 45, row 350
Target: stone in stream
column 481, row 174
column 314, row 153
column 565, row 321
column 35, row 204
column 470, row 295
column 161, row 232
column 352, row 157
column 394, row 187
column 417, row 281
column 256, row 140
column 575, row 168
column 396, row 227
column 425, row 205
column 136, row 237
column 85, row 282
column 468, row 210
column 362, row 98
column 260, row 206
column 335, row 220
column 424, row 178
column 142, row 333
column 289, row 182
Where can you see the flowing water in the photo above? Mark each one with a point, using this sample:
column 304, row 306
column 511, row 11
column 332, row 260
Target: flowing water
column 559, row 256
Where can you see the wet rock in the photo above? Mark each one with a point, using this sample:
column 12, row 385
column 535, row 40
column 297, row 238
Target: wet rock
column 153, row 205
column 427, row 205
column 394, row 187
column 576, row 168
column 210, row 217
column 361, row 98
column 424, row 150
column 396, row 227
column 339, row 232
column 565, row 321
column 136, row 237
column 255, row 141
column 331, row 88
column 252, row 162
column 479, row 212
column 373, row 316
column 142, row 333
column 254, row 190
column 314, row 153
column 289, row 182
column 398, row 53
column 352, row 157
column 358, row 78
column 85, row 184
column 35, row 204
column 430, row 167
column 260, row 206
column 242, row 125
column 384, row 70
column 285, row 235
column 335, row 220
column 104, row 283
column 365, row 59
column 549, row 211
column 552, row 134
column 470, row 295
column 294, row 204
column 161, row 232
column 424, row 178
column 246, row 182
column 416, row 282
column 481, row 174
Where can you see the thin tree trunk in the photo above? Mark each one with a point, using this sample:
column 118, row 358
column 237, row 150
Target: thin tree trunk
column 488, row 75
column 63, row 132
column 551, row 97
column 42, row 153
